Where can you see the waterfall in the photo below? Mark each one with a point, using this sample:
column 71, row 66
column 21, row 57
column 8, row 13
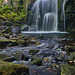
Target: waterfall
column 44, row 15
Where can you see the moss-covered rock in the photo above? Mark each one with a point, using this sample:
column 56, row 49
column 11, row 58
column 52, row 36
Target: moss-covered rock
column 68, row 70
column 36, row 61
column 21, row 41
column 33, row 52
column 12, row 69
column 72, row 56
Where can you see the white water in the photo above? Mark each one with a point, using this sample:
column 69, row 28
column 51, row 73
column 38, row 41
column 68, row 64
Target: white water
column 45, row 15
column 42, row 32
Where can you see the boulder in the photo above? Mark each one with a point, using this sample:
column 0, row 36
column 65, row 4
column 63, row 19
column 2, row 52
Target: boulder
column 12, row 69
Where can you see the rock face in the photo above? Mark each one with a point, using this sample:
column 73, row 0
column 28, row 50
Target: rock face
column 69, row 15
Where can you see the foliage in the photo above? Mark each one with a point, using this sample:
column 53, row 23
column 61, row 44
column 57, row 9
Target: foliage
column 15, row 12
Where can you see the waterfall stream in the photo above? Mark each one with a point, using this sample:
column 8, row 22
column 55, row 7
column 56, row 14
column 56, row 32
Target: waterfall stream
column 43, row 17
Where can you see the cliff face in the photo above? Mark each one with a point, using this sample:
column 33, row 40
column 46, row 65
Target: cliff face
column 70, row 15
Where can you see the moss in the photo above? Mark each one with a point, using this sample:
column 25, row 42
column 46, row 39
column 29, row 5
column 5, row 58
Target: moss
column 12, row 69
column 21, row 41
column 68, row 69
column 33, row 52
column 36, row 61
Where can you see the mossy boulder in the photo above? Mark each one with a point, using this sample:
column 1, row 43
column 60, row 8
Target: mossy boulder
column 36, row 61
column 21, row 41
column 12, row 69
column 68, row 70
column 33, row 51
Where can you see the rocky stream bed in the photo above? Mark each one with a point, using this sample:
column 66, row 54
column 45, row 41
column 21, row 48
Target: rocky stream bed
column 46, row 57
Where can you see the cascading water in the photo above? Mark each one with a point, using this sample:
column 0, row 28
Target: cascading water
column 44, row 15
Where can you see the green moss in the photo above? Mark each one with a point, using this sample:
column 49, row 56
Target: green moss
column 12, row 69
column 21, row 41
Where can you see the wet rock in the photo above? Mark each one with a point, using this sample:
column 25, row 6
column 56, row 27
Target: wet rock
column 16, row 30
column 22, row 57
column 33, row 52
column 25, row 28
column 9, row 59
column 36, row 61
column 40, row 37
column 32, row 28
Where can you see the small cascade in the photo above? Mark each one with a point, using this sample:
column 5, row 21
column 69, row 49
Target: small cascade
column 45, row 15
column 64, row 15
